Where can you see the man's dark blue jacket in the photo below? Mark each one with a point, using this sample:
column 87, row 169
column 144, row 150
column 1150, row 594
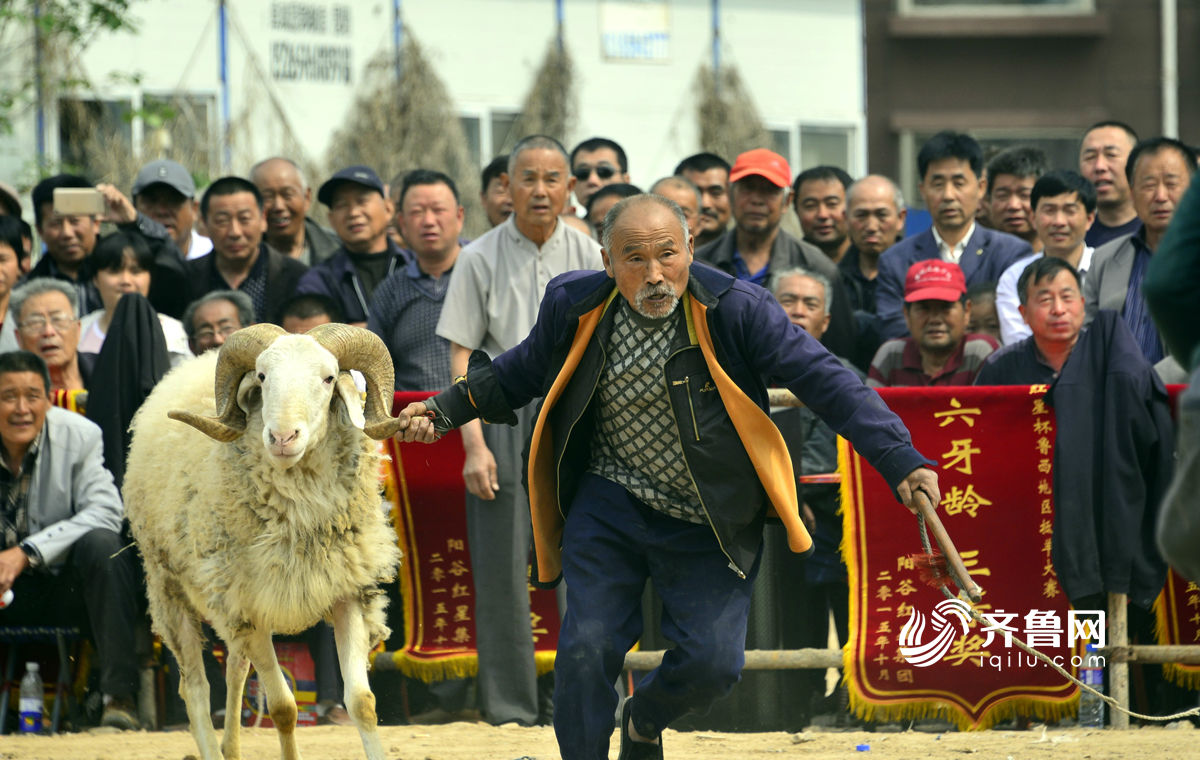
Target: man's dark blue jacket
column 740, row 340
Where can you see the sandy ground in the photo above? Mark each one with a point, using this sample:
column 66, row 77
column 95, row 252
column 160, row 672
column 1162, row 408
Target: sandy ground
column 474, row 741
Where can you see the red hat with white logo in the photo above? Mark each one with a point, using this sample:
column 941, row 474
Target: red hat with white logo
column 934, row 280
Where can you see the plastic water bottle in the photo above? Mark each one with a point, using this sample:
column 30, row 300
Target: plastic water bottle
column 33, row 695
column 1091, row 707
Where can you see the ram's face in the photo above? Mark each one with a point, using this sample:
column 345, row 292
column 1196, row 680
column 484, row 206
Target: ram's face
column 296, row 380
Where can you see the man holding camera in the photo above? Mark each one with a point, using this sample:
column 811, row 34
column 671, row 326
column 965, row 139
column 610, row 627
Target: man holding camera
column 68, row 211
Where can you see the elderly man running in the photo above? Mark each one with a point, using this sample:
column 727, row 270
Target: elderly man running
column 653, row 458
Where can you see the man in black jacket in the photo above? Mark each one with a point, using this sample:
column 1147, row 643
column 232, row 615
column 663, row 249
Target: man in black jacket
column 232, row 209
column 1111, row 408
column 70, row 238
column 360, row 212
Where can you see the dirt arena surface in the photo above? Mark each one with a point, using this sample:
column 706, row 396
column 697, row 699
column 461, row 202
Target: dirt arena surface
column 474, row 741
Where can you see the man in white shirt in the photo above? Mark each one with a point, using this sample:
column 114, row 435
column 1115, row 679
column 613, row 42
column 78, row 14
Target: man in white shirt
column 491, row 305
column 1064, row 207
column 950, row 165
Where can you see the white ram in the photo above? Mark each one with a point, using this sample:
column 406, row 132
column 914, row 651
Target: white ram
column 268, row 519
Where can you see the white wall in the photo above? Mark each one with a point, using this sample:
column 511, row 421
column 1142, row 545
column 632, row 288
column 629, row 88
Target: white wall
column 801, row 58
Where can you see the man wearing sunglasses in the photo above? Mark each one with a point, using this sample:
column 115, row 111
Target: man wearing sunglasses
column 597, row 162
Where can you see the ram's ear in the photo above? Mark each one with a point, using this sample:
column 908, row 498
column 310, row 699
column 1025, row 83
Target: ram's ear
column 249, row 393
column 349, row 399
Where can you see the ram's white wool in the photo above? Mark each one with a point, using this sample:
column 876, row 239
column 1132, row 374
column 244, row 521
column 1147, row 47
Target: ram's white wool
column 272, row 532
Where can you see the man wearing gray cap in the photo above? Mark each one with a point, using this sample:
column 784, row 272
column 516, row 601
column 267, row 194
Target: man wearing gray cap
column 359, row 212
column 165, row 192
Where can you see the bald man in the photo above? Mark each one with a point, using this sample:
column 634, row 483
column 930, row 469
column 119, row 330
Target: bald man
column 658, row 482
column 287, row 199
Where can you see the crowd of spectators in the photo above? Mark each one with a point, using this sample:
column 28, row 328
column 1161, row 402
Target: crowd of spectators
column 1025, row 266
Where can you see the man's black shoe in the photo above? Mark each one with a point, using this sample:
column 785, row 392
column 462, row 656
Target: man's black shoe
column 632, row 750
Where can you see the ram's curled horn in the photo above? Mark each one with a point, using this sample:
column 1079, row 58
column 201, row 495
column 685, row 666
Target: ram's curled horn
column 238, row 356
column 356, row 348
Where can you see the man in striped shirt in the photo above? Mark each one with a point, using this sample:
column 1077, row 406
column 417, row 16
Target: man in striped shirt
column 937, row 351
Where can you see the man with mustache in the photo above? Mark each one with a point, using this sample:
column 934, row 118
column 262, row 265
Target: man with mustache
column 654, row 460
column 949, row 164
column 938, row 351
column 490, row 304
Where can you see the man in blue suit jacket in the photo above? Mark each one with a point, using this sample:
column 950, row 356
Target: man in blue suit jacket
column 950, row 165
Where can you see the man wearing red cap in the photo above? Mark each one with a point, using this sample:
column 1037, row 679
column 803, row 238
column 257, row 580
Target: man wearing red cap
column 937, row 352
column 755, row 247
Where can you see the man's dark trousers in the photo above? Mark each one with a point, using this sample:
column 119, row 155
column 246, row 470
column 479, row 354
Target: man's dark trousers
column 613, row 543
column 98, row 590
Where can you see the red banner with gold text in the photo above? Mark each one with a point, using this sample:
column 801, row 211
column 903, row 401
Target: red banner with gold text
column 910, row 653
column 1178, row 622
column 424, row 483
column 1177, row 608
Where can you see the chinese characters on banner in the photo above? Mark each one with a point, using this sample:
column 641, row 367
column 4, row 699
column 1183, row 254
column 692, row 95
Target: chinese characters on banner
column 1178, row 612
column 424, row 483
column 1177, row 608
column 994, row 453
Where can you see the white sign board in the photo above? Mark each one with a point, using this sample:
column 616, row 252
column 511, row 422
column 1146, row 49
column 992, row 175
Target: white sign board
column 635, row 30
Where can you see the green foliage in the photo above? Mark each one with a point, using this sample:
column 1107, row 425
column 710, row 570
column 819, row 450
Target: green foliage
column 53, row 26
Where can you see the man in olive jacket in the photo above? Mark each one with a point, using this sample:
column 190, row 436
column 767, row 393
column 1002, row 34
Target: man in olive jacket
column 653, row 458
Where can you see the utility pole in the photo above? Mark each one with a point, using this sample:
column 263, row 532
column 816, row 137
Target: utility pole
column 398, row 40
column 558, row 15
column 223, row 52
column 716, row 44
column 39, row 82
